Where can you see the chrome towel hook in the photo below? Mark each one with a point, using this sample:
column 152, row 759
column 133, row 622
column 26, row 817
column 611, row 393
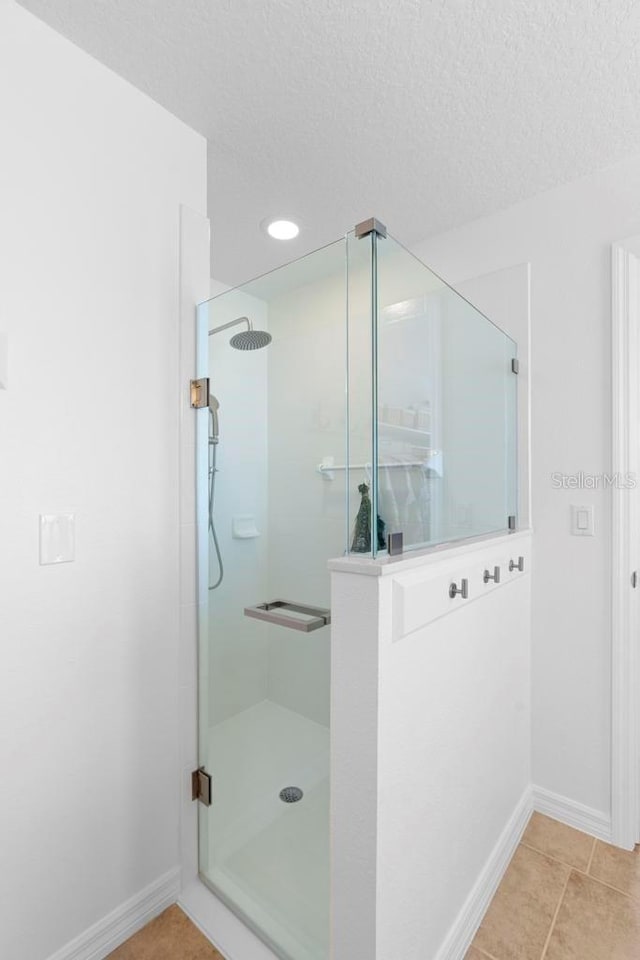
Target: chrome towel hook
column 462, row 590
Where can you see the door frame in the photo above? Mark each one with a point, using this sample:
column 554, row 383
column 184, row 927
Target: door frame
column 625, row 536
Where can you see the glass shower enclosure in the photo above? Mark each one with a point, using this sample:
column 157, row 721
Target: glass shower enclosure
column 353, row 397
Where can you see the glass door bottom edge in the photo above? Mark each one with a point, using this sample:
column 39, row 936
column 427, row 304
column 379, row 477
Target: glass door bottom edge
column 247, row 919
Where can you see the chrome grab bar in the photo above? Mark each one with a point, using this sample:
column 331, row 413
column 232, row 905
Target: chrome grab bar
column 320, row 616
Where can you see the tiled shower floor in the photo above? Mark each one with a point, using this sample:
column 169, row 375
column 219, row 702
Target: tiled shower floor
column 268, row 857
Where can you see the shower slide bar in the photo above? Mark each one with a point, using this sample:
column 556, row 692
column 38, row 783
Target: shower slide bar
column 273, row 612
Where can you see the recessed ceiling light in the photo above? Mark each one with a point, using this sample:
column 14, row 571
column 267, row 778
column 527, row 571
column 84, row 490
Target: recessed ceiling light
column 283, row 229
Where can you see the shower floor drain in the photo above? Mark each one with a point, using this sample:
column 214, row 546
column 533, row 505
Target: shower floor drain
column 291, row 794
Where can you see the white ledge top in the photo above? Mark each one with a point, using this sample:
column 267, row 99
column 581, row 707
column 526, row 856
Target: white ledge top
column 386, row 566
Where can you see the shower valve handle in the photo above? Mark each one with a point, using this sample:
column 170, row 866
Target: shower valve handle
column 516, row 566
column 495, row 576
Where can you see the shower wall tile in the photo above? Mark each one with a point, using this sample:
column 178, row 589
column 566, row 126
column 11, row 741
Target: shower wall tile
column 202, row 559
column 306, row 512
column 237, row 646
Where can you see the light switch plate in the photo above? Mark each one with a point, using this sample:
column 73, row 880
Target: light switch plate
column 57, row 538
column 582, row 521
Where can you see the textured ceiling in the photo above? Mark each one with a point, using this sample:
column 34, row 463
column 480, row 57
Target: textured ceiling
column 425, row 113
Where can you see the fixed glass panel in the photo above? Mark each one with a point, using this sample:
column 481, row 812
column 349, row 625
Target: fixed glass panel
column 360, row 486
column 446, row 408
column 272, row 491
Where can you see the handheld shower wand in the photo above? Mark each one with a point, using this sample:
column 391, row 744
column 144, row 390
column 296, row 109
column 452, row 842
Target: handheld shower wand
column 214, row 428
column 214, row 437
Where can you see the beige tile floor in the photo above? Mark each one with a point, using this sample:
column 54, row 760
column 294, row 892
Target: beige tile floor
column 565, row 896
column 171, row 936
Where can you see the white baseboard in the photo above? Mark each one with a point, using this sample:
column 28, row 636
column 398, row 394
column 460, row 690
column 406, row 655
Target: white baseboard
column 227, row 933
column 574, row 814
column 107, row 934
column 461, row 934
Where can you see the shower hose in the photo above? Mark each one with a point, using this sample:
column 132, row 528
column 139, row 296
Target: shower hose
column 213, row 448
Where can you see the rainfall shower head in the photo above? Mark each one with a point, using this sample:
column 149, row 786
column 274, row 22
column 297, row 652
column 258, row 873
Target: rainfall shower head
column 249, row 339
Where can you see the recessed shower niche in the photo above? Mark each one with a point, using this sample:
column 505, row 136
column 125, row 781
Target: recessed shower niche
column 353, row 396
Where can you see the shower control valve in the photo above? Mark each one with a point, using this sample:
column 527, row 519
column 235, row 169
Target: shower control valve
column 516, row 566
column 462, row 590
column 495, row 576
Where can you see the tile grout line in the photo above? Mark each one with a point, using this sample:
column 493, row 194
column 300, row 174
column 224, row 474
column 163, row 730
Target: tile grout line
column 555, row 917
column 609, row 886
column 583, row 873
column 484, row 953
column 543, row 853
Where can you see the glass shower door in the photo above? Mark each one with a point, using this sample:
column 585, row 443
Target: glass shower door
column 271, row 515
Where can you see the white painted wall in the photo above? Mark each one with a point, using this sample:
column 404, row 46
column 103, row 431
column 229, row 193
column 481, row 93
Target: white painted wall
column 430, row 745
column 565, row 234
column 92, row 177
column 454, row 733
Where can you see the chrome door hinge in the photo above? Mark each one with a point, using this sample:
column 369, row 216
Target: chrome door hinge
column 201, row 786
column 200, row 393
column 515, row 365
